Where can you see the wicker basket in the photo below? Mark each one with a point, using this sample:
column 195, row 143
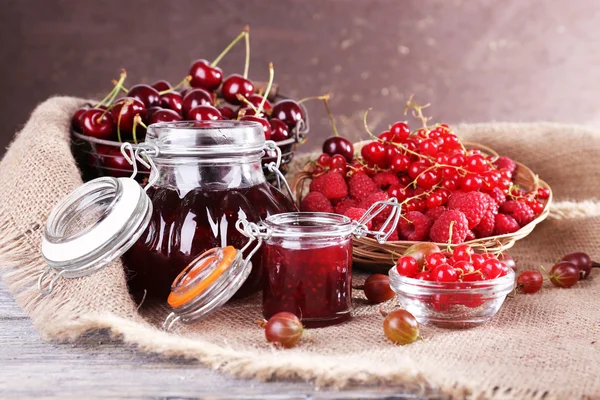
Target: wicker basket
column 377, row 257
column 92, row 163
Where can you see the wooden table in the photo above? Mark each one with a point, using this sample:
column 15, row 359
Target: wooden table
column 98, row 367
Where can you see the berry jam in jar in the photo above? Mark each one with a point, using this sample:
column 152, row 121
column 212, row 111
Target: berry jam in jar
column 209, row 175
column 308, row 267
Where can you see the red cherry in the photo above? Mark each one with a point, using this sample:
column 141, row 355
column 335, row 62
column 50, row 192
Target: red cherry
column 146, row 94
column 172, row 101
column 407, row 266
column 124, row 111
column 530, row 281
column 150, row 111
column 97, row 123
column 444, row 273
column 279, row 130
column 161, row 85
column 255, row 99
column 339, row 145
column 194, row 98
column 204, row 113
column 290, row 112
column 400, row 132
column 76, row 119
column 113, row 161
column 227, row 112
column 236, row 84
column 164, row 116
column 265, row 124
column 204, row 76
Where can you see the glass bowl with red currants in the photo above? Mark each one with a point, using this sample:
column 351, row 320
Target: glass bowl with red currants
column 124, row 114
column 451, row 289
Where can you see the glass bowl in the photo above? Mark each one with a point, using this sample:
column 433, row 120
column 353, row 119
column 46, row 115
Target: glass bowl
column 452, row 305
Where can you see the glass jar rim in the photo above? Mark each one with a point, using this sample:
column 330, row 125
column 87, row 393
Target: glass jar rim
column 308, row 224
column 210, row 138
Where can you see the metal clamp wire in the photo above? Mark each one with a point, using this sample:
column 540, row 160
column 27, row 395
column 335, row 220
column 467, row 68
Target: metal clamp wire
column 46, row 292
column 386, row 230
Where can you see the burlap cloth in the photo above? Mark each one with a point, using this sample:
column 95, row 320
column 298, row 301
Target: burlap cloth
column 538, row 346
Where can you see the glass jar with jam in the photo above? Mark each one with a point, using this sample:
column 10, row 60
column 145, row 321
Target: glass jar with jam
column 209, row 175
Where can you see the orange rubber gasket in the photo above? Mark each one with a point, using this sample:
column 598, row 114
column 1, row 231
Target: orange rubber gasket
column 179, row 299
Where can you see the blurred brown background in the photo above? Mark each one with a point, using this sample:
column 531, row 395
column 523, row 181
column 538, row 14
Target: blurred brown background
column 509, row 60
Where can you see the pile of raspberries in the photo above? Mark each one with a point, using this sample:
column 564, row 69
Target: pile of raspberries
column 443, row 212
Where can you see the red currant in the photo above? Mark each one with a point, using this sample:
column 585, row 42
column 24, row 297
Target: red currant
column 491, row 179
column 324, row 160
column 417, row 167
column 400, row 163
column 543, row 193
column 424, row 276
column 434, row 260
column 385, row 136
column 477, row 260
column 428, row 179
column 470, row 183
column 445, row 273
column 400, row 132
column 457, row 159
column 428, row 147
column 398, row 192
column 450, row 184
column 476, row 163
column 491, row 269
column 434, row 200
column 373, row 153
column 464, row 266
column 462, row 252
column 407, row 266
column 451, row 143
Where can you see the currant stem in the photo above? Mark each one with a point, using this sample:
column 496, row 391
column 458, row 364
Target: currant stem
column 311, row 98
column 247, row 62
column 185, row 80
column 450, row 236
column 330, row 114
column 239, row 37
column 268, row 89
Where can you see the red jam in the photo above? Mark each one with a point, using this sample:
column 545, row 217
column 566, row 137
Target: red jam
column 312, row 281
column 182, row 227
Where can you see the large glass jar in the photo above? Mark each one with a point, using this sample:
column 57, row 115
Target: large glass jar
column 209, row 175
column 308, row 267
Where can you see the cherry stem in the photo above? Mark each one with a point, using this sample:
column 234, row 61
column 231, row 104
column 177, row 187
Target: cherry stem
column 127, row 103
column 113, row 93
column 268, row 89
column 137, row 120
column 245, row 101
column 247, row 62
column 110, row 108
column 185, row 80
column 123, row 88
column 325, row 99
column 226, row 50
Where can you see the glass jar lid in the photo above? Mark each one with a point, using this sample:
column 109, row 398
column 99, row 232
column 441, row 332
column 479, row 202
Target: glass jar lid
column 92, row 226
column 196, row 138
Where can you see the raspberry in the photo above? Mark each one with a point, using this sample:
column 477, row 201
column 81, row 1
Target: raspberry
column 317, row 183
column 369, row 201
column 498, row 195
column 470, row 236
column 454, row 197
column 473, row 204
column 384, row 180
column 393, row 237
column 361, row 186
column 434, row 213
column 334, row 186
column 316, row 202
column 486, row 226
column 520, row 211
column 355, row 213
column 414, row 226
column 504, row 162
column 440, row 231
column 344, row 204
column 505, row 224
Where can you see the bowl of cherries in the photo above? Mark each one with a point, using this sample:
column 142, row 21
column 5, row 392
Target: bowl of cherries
column 99, row 129
column 451, row 289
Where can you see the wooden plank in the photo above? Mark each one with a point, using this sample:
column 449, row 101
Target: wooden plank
column 98, row 367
